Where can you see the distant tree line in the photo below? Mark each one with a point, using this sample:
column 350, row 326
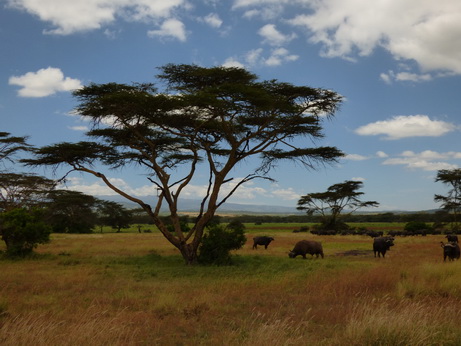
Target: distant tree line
column 438, row 217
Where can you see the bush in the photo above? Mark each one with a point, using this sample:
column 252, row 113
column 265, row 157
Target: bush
column 22, row 230
column 219, row 241
column 417, row 228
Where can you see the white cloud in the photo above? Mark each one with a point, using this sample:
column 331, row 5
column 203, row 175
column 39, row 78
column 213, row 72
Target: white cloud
column 279, row 56
column 355, row 157
column 70, row 16
column 427, row 160
column 381, row 154
column 424, row 31
column 268, row 10
column 286, row 194
column 403, row 126
column 170, row 28
column 213, row 20
column 245, row 193
column 405, row 77
column 232, row 62
column 44, row 82
column 255, row 57
column 79, row 128
column 273, row 37
column 100, row 189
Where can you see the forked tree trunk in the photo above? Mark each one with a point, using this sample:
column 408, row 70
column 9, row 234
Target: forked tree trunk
column 189, row 253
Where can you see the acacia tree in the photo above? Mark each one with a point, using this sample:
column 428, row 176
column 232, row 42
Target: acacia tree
column 333, row 202
column 218, row 117
column 114, row 215
column 11, row 145
column 22, row 224
column 71, row 211
column 452, row 201
column 18, row 190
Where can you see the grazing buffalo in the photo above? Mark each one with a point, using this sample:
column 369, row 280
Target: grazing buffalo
column 375, row 234
column 304, row 247
column 382, row 244
column 263, row 240
column 452, row 238
column 450, row 250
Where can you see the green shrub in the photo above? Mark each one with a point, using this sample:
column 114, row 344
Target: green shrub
column 22, row 230
column 417, row 227
column 219, row 241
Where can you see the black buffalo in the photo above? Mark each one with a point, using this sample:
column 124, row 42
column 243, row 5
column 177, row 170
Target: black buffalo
column 382, row 244
column 263, row 240
column 375, row 234
column 450, row 250
column 305, row 247
column 452, row 238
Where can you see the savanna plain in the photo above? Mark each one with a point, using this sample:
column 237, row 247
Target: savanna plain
column 133, row 288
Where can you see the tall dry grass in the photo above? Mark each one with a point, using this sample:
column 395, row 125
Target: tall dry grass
column 133, row 289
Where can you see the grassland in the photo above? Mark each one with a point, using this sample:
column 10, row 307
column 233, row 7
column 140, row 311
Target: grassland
column 133, row 289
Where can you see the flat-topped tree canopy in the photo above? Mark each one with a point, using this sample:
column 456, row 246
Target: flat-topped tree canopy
column 217, row 117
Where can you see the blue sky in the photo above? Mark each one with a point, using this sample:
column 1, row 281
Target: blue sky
column 397, row 64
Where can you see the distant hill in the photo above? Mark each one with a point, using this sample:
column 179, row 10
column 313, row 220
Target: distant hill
column 192, row 206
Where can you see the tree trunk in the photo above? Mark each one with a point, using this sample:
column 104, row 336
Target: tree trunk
column 189, row 253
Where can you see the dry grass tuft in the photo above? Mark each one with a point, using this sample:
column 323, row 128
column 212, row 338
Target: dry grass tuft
column 389, row 322
column 91, row 327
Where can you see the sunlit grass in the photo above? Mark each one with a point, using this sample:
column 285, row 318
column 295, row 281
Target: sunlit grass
column 134, row 289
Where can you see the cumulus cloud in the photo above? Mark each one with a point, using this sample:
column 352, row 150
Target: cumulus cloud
column 213, row 20
column 44, row 82
column 355, row 157
column 381, row 154
column 427, row 160
column 286, row 194
column 79, row 128
column 426, row 32
column 247, row 192
column 257, row 57
column 70, row 16
column 232, row 62
column 405, row 77
column 279, row 56
column 273, row 37
column 265, row 9
column 403, row 126
column 171, row 28
column 100, row 189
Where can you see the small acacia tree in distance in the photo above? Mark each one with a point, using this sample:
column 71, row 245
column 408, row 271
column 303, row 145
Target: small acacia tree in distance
column 215, row 117
column 452, row 201
column 333, row 202
column 22, row 225
column 11, row 145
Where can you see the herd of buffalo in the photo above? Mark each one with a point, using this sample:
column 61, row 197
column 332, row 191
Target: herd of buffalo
column 381, row 244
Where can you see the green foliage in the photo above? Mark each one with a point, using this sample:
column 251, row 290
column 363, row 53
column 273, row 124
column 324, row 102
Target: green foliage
column 114, row 215
column 219, row 241
column 333, row 202
column 416, row 226
column 452, row 201
column 10, row 145
column 71, row 212
column 22, row 230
